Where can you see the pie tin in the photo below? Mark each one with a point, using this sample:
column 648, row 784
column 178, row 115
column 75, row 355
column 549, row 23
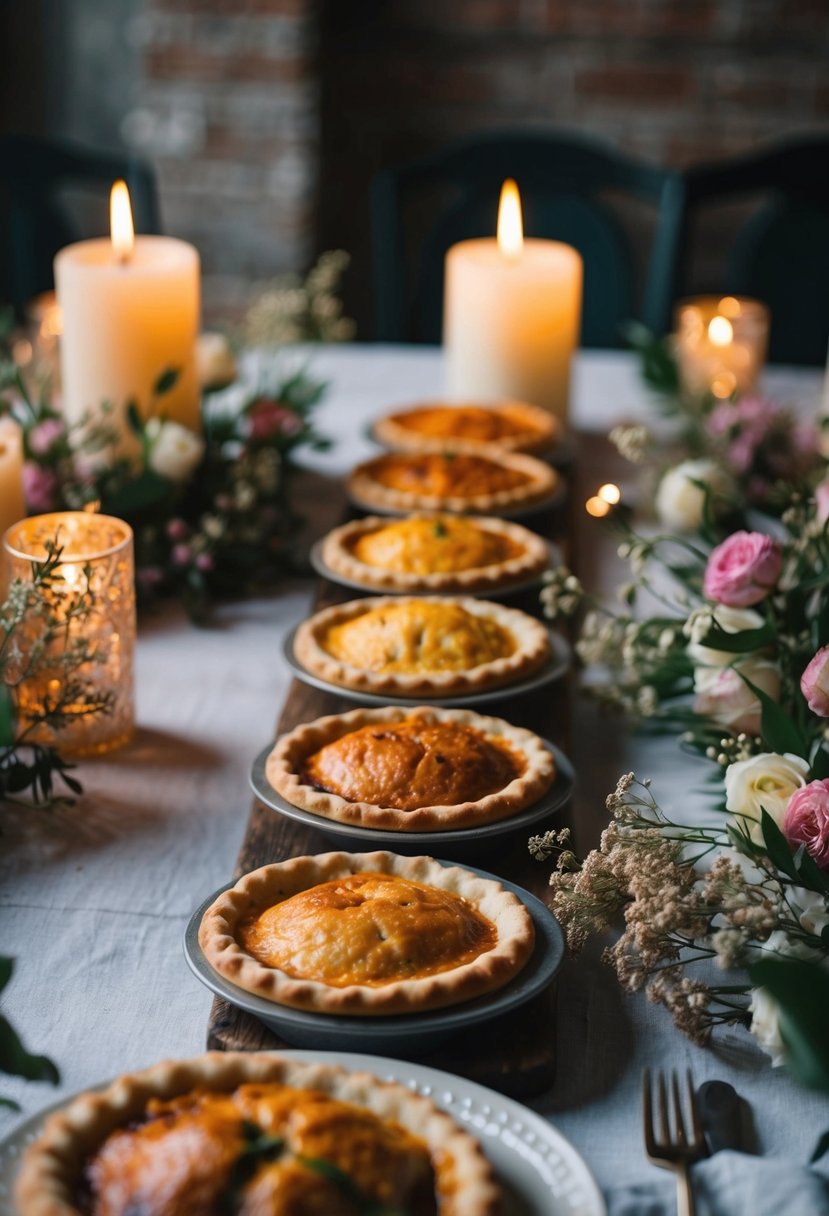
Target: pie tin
column 509, row 589
column 412, row 1033
column 457, row 843
column 556, row 668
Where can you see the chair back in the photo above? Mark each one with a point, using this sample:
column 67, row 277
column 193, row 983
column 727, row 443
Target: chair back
column 567, row 185
column 781, row 251
column 35, row 176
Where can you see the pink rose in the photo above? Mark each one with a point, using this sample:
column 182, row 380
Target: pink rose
column 806, row 821
column 814, row 683
column 40, row 487
column 44, row 434
column 743, row 569
column 266, row 418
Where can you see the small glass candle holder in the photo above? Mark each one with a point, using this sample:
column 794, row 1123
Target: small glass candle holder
column 89, row 603
column 721, row 344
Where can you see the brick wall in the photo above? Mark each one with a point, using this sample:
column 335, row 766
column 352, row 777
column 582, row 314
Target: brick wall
column 670, row 81
column 228, row 111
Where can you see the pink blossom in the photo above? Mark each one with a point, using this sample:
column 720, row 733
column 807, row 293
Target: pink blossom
column 177, row 529
column 40, row 487
column 814, row 683
column 44, row 434
column 822, row 502
column 743, row 569
column 723, row 695
column 181, row 555
column 266, row 418
column 205, row 562
column 148, row 577
column 806, row 821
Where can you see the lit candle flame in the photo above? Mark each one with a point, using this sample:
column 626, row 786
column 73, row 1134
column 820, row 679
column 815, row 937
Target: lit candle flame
column 720, row 331
column 120, row 220
column 510, row 226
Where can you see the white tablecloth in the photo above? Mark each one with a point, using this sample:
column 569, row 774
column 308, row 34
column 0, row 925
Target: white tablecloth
column 94, row 901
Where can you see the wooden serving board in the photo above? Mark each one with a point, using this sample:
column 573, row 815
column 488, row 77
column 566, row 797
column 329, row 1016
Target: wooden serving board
column 514, row 1054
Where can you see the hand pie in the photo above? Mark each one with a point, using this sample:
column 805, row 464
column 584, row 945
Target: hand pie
column 366, row 934
column 441, row 426
column 466, row 482
column 429, row 553
column 411, row 770
column 253, row 1134
column 424, row 647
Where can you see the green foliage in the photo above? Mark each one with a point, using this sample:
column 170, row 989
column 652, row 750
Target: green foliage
column 801, row 991
column 779, row 730
column 15, row 1060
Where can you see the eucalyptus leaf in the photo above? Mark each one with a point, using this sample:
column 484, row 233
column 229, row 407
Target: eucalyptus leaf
column 6, row 969
column 6, row 717
column 820, row 1148
column 744, row 642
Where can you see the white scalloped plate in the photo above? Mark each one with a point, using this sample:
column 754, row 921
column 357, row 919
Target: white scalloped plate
column 541, row 1171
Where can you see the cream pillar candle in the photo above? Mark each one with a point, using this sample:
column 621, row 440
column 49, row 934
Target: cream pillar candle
column 12, row 506
column 511, row 318
column 130, row 311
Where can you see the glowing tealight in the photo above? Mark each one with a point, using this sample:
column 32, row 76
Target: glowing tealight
column 597, row 507
column 720, row 331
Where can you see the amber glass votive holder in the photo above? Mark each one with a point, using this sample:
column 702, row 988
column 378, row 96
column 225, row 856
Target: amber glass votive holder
column 721, row 344
column 96, row 553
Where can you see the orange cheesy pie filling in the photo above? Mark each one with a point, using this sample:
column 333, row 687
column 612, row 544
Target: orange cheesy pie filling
column 438, row 545
column 262, row 1148
column 446, row 476
column 418, row 636
column 468, row 422
column 413, row 764
column 368, row 929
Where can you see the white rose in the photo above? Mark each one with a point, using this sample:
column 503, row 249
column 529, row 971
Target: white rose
column 724, row 697
column 810, row 908
column 765, row 1025
column 730, row 620
column 680, row 503
column 764, row 782
column 215, row 364
column 174, row 451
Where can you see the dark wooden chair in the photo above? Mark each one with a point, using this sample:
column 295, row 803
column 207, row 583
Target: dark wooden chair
column 781, row 251
column 567, row 183
column 37, row 218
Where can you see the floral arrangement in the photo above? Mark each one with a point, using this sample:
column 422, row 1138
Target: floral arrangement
column 746, row 452
column 721, row 639
column 211, row 512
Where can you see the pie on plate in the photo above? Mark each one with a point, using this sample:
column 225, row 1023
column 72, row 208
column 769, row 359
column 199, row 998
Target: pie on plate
column 426, row 647
column 454, row 553
column 254, row 1134
column 366, row 934
column 467, row 482
column 440, row 426
column 411, row 770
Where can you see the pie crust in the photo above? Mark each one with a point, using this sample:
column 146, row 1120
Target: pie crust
column 407, row 640
column 474, row 482
column 50, row 1182
column 450, row 553
column 412, row 769
column 441, row 426
column 369, row 939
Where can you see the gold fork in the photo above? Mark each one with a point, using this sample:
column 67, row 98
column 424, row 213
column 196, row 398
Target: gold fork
column 675, row 1151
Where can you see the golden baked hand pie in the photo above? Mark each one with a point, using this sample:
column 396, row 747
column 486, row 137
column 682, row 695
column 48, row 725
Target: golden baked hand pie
column 411, row 770
column 435, row 553
column 255, row 1135
column 441, row 426
column 424, row 647
column 366, row 933
column 467, row 482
